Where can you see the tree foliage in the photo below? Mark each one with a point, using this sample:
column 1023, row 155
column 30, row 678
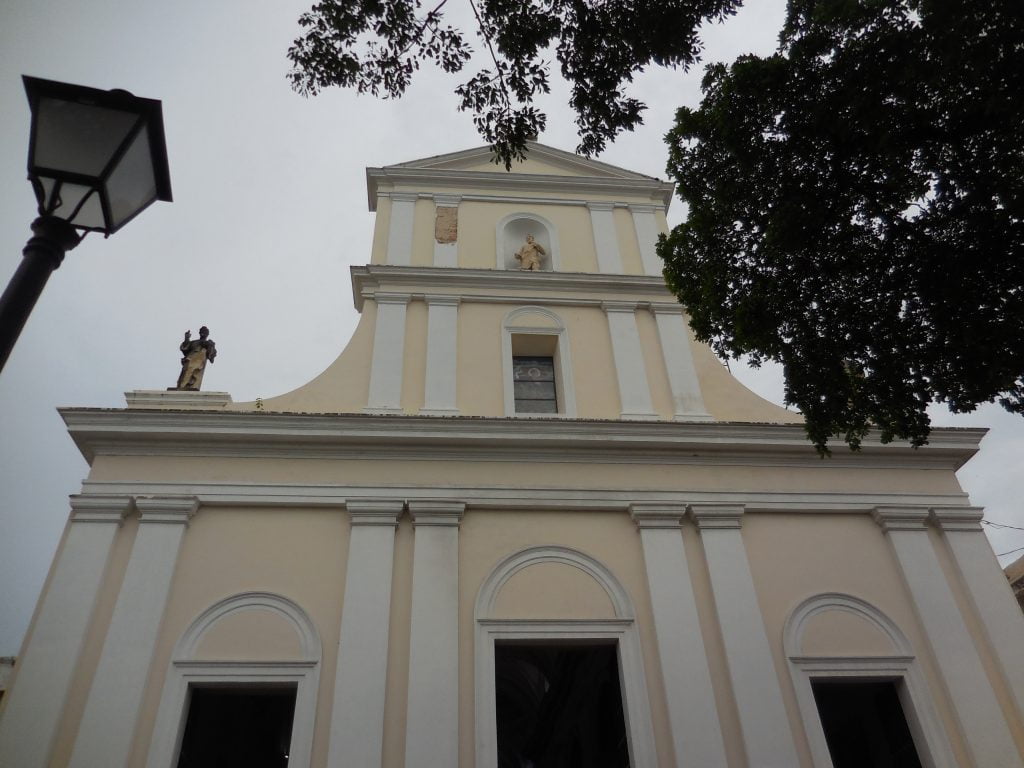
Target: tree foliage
column 376, row 46
column 856, row 205
column 855, row 200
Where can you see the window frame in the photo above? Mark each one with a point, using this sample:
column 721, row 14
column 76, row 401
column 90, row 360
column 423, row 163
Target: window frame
column 565, row 391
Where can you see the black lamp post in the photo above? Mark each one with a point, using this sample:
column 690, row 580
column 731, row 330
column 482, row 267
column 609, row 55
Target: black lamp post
column 96, row 159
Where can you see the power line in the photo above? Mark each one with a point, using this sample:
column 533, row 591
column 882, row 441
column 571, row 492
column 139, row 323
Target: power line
column 1018, row 549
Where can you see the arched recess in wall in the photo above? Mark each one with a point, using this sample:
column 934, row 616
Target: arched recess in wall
column 834, row 637
column 537, row 331
column 619, row 629
column 204, row 656
column 511, row 232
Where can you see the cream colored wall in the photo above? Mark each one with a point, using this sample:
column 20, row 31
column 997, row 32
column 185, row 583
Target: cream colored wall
column 629, row 248
column 381, row 222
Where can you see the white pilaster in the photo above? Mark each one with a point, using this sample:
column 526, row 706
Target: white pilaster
column 36, row 701
column 357, row 718
column 403, row 209
column 646, row 227
column 990, row 591
column 634, row 393
column 696, row 733
column 981, row 719
column 442, row 338
column 687, row 399
column 108, row 722
column 432, row 719
column 606, row 239
column 767, row 735
column 446, row 254
column 388, row 351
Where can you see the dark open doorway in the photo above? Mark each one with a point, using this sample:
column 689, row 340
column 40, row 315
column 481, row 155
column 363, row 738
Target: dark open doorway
column 865, row 725
column 238, row 727
column 559, row 706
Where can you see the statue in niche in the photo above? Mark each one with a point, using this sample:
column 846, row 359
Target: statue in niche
column 195, row 355
column 529, row 255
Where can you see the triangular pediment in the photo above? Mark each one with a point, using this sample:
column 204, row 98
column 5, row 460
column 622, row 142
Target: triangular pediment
column 540, row 160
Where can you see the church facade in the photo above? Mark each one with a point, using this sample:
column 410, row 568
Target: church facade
column 523, row 520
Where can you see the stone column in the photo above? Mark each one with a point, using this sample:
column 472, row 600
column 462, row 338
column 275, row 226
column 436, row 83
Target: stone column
column 982, row 722
column 646, row 227
column 108, row 722
column 432, row 718
column 36, row 701
column 606, row 239
column 442, row 344
column 687, row 400
column 403, row 209
column 634, row 393
column 446, row 216
column 767, row 734
column 388, row 352
column 990, row 592
column 696, row 733
column 360, row 682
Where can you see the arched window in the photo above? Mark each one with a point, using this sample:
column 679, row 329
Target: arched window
column 537, row 367
column 852, row 667
column 255, row 652
column 523, row 636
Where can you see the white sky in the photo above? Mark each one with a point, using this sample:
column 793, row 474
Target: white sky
column 269, row 213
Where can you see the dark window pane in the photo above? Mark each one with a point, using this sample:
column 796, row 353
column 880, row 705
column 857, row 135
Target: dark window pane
column 533, row 369
column 533, row 382
column 238, row 727
column 535, row 390
column 559, row 707
column 864, row 725
column 536, row 406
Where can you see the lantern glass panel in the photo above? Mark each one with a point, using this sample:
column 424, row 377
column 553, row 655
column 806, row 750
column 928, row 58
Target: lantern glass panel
column 78, row 138
column 89, row 216
column 132, row 185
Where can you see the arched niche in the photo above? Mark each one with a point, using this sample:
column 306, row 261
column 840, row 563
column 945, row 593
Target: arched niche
column 218, row 649
column 511, row 233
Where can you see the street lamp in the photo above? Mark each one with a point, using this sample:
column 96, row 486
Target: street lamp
column 96, row 159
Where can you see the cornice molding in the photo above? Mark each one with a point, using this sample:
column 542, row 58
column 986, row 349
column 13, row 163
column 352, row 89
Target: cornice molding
column 376, row 280
column 902, row 518
column 958, row 519
column 166, row 509
column 268, row 434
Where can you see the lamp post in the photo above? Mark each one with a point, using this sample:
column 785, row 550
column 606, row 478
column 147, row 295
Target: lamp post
column 96, row 159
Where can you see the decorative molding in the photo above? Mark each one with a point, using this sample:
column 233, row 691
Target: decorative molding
column 952, row 519
column 166, row 509
column 657, row 516
column 534, row 287
column 584, row 186
column 512, row 564
column 100, row 508
column 901, row 518
column 436, row 512
column 130, row 432
column 717, row 516
column 383, row 512
column 447, row 201
column 520, row 497
column 176, row 398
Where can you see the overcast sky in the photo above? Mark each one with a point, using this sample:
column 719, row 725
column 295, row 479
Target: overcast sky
column 269, row 213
